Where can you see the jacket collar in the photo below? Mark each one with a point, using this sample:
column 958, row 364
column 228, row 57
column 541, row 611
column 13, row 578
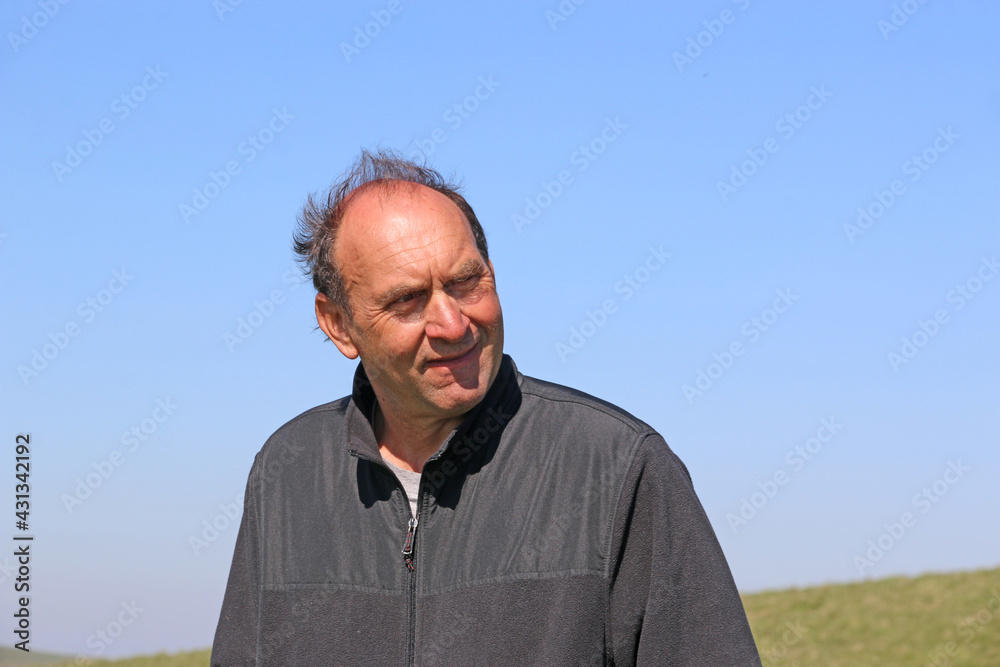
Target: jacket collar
column 491, row 414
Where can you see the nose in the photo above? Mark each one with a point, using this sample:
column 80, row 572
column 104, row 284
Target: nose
column 445, row 319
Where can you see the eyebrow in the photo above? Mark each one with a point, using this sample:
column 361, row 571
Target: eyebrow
column 467, row 269
column 393, row 293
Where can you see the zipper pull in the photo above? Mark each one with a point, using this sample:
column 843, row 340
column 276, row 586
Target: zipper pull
column 411, row 536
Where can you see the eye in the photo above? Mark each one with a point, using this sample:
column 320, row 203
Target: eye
column 466, row 281
column 406, row 298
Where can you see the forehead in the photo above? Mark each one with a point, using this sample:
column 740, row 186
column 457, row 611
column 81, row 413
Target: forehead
column 400, row 227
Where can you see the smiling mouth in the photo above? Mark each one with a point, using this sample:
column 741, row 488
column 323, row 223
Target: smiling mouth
column 449, row 361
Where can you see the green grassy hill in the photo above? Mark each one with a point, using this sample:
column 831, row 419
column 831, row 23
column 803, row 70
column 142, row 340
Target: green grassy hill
column 937, row 620
column 12, row 657
column 191, row 659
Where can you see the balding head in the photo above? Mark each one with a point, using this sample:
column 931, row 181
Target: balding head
column 320, row 220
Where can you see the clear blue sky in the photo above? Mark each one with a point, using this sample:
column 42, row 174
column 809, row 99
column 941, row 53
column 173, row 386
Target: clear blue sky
column 156, row 155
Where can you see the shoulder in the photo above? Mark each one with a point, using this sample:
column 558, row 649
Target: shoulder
column 319, row 417
column 580, row 419
column 321, row 423
column 567, row 405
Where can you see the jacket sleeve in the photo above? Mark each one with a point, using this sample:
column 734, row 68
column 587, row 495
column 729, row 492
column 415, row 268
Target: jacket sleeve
column 673, row 600
column 236, row 634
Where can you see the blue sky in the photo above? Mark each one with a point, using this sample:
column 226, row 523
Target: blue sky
column 661, row 186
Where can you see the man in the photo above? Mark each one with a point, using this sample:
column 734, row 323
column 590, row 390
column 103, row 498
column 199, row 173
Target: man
column 452, row 511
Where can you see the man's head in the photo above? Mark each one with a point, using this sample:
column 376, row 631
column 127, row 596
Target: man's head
column 404, row 281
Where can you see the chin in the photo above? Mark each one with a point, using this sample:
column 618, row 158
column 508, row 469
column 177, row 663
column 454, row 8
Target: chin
column 458, row 403
column 455, row 400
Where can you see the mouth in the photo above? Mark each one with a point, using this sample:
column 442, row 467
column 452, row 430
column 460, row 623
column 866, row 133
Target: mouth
column 454, row 360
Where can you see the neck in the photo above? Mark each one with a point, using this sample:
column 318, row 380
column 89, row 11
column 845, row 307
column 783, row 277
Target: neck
column 408, row 442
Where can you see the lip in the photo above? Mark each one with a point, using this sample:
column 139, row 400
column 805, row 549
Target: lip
column 453, row 361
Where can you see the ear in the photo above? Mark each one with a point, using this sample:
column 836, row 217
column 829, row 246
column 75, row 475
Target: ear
column 334, row 322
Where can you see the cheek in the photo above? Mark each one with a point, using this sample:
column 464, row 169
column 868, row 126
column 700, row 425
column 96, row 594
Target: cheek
column 389, row 346
column 489, row 314
column 401, row 343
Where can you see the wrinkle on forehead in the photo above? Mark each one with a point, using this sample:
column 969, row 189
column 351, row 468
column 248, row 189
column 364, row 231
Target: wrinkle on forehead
column 397, row 219
column 401, row 243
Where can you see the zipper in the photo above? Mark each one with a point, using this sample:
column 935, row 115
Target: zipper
column 409, row 546
column 411, row 536
column 408, row 549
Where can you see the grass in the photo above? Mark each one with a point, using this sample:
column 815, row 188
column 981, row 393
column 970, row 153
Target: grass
column 189, row 659
column 936, row 620
column 12, row 657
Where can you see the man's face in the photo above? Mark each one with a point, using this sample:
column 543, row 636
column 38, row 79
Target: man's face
column 426, row 318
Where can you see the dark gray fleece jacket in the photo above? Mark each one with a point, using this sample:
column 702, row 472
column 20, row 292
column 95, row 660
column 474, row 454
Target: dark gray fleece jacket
column 552, row 529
